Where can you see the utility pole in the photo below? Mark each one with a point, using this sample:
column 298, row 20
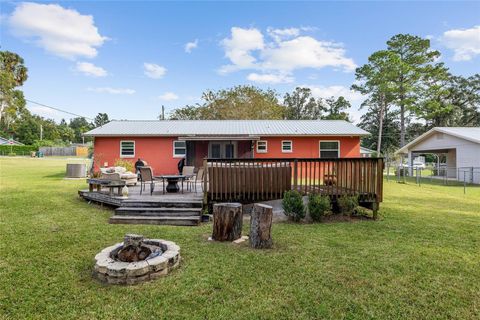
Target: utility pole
column 41, row 132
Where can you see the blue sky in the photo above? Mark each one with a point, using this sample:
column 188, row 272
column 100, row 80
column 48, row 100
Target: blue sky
column 129, row 58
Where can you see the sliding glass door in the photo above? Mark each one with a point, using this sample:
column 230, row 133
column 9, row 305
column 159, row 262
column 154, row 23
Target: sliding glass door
column 222, row 149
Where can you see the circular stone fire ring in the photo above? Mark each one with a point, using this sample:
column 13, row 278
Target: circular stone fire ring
column 154, row 258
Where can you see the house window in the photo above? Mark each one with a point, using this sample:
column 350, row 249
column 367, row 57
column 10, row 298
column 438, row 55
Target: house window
column 262, row 146
column 329, row 149
column 127, row 149
column 287, row 146
column 179, row 149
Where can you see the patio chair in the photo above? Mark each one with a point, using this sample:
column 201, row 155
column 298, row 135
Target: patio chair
column 189, row 172
column 199, row 178
column 146, row 176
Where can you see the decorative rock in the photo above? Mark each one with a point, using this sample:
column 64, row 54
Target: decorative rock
column 159, row 274
column 240, row 240
column 135, row 280
column 157, row 263
column 113, row 280
column 138, row 268
column 133, row 240
column 117, row 269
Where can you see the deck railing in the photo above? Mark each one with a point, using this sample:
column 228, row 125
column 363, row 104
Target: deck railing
column 266, row 179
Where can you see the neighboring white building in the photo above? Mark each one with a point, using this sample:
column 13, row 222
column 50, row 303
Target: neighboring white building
column 460, row 145
column 366, row 153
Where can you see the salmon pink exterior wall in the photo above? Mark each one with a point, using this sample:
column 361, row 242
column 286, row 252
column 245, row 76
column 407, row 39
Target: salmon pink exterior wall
column 158, row 151
column 308, row 147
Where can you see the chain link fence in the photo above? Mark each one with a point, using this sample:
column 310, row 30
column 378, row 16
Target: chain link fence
column 436, row 175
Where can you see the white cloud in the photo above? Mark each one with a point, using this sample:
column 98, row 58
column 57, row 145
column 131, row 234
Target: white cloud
column 112, row 90
column 189, row 46
column 281, row 34
column 168, row 96
column 270, row 78
column 465, row 43
column 238, row 48
column 154, row 71
column 90, row 69
column 62, row 32
column 289, row 51
column 306, row 52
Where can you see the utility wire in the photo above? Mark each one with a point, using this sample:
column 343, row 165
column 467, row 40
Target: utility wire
column 57, row 109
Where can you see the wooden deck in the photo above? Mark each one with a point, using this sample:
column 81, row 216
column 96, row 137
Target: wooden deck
column 249, row 181
column 168, row 209
column 255, row 180
column 135, row 197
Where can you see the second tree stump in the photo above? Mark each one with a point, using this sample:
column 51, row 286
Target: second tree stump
column 227, row 221
column 261, row 226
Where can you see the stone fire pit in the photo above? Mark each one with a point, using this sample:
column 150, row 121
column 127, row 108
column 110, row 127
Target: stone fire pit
column 136, row 260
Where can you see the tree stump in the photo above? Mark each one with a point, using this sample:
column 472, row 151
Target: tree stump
column 261, row 227
column 227, row 221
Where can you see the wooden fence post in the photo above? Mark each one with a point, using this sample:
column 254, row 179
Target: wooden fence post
column 295, row 174
column 261, row 227
column 205, row 181
column 227, row 221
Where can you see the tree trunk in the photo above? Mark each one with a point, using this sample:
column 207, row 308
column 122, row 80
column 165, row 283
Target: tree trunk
column 380, row 124
column 227, row 221
column 261, row 226
column 402, row 125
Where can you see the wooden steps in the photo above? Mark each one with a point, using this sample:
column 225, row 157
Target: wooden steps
column 178, row 213
column 158, row 212
column 179, row 210
column 163, row 220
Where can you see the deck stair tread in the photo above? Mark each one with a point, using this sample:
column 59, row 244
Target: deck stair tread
column 165, row 220
column 173, row 209
column 156, row 211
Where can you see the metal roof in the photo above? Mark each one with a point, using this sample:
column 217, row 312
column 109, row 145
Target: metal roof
column 227, row 127
column 468, row 133
column 4, row 141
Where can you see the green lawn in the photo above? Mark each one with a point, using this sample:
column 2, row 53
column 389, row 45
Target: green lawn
column 421, row 260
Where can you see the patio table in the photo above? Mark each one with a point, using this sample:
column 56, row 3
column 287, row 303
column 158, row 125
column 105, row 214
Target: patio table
column 110, row 184
column 172, row 182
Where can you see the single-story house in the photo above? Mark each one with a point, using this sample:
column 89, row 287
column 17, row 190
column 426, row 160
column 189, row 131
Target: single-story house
column 162, row 143
column 459, row 145
column 4, row 141
column 366, row 153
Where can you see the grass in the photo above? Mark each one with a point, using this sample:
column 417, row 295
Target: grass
column 420, row 261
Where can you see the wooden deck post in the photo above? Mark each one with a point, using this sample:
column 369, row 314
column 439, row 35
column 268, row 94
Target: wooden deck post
column 295, row 174
column 205, row 181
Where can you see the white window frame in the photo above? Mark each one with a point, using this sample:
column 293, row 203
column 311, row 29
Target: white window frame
column 291, row 146
column 121, row 149
column 174, row 148
column 266, row 146
column 320, row 147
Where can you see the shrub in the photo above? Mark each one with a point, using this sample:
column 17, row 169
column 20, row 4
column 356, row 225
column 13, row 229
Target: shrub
column 126, row 164
column 293, row 205
column 12, row 154
column 318, row 206
column 20, row 150
column 347, row 204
